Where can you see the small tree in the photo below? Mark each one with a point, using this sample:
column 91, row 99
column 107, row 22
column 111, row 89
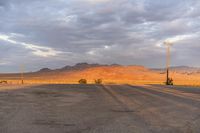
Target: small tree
column 82, row 81
column 98, row 81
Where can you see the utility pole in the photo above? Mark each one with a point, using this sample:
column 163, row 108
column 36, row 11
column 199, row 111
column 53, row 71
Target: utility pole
column 168, row 44
column 22, row 74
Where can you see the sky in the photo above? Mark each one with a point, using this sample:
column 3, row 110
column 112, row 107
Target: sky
column 55, row 33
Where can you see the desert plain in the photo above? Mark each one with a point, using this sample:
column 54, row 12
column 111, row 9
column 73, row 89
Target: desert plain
column 90, row 108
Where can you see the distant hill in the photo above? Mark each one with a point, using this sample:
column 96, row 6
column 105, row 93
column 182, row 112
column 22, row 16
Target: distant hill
column 83, row 66
column 182, row 69
column 79, row 66
column 76, row 67
column 44, row 70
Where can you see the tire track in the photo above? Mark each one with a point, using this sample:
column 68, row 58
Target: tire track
column 189, row 122
column 177, row 93
column 161, row 95
column 153, row 120
column 121, row 101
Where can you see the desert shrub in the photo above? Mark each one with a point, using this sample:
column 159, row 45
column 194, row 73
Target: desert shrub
column 82, row 81
column 3, row 82
column 98, row 81
column 170, row 81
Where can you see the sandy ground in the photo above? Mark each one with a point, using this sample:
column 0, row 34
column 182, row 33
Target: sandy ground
column 99, row 109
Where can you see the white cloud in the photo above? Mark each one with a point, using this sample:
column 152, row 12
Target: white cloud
column 2, row 63
column 7, row 38
column 41, row 51
column 180, row 38
column 36, row 49
column 96, row 1
column 107, row 47
column 176, row 39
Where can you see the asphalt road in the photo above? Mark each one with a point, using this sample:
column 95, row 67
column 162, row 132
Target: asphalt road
column 100, row 109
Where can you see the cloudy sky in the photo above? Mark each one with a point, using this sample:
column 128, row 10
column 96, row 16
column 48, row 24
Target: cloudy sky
column 55, row 33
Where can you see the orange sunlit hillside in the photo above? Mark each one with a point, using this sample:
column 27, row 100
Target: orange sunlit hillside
column 113, row 74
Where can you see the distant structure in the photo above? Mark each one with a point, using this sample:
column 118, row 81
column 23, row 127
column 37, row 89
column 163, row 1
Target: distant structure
column 22, row 74
column 169, row 80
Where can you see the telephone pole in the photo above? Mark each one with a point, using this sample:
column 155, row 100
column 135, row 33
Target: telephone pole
column 168, row 44
column 22, row 74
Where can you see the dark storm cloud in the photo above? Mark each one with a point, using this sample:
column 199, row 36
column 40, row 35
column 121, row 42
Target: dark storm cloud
column 55, row 33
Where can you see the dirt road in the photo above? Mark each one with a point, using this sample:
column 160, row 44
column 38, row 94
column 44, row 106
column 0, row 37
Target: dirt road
column 100, row 109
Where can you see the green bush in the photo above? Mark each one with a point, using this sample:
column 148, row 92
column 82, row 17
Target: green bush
column 98, row 81
column 82, row 81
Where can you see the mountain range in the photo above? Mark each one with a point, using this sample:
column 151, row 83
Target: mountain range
column 114, row 73
column 82, row 66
